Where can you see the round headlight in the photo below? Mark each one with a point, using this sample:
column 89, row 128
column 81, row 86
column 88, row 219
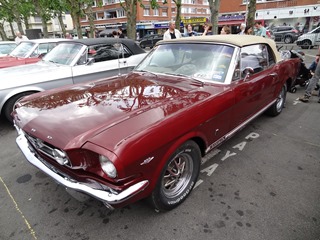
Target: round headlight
column 107, row 166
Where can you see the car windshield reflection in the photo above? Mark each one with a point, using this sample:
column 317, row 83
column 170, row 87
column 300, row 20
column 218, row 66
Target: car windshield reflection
column 205, row 62
column 64, row 53
column 23, row 50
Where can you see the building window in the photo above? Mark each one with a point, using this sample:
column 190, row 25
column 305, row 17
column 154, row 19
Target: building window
column 146, row 12
column 173, row 10
column 100, row 15
column 37, row 19
column 155, row 12
column 121, row 13
column 164, row 12
column 112, row 14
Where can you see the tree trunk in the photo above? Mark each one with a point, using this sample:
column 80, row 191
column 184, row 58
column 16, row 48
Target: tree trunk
column 214, row 6
column 62, row 26
column 76, row 22
column 3, row 33
column 90, row 15
column 44, row 26
column 26, row 22
column 251, row 13
column 131, row 10
column 178, row 13
column 12, row 30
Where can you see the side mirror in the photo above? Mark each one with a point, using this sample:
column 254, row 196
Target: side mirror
column 247, row 72
column 90, row 61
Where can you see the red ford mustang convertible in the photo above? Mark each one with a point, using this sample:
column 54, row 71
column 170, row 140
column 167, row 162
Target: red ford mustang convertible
column 142, row 135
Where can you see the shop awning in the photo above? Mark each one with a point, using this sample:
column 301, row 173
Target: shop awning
column 230, row 23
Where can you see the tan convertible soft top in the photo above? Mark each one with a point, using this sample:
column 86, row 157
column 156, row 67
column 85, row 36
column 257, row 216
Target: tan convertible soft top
column 237, row 40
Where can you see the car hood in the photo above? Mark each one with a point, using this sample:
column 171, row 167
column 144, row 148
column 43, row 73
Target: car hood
column 29, row 74
column 72, row 115
column 9, row 61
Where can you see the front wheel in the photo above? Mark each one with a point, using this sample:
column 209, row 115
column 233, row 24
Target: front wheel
column 10, row 104
column 276, row 108
column 178, row 177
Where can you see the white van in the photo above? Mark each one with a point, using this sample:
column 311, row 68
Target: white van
column 310, row 39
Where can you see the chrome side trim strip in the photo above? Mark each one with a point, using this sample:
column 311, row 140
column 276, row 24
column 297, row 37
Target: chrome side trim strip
column 233, row 131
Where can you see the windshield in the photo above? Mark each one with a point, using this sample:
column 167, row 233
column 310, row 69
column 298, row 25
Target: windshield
column 64, row 53
column 6, row 48
column 205, row 62
column 23, row 50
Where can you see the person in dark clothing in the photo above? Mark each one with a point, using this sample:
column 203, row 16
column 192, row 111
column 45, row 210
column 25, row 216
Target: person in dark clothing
column 312, row 83
column 120, row 33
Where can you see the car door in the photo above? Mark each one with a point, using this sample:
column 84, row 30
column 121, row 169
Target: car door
column 252, row 91
column 109, row 60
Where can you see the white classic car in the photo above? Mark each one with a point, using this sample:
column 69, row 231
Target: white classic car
column 69, row 63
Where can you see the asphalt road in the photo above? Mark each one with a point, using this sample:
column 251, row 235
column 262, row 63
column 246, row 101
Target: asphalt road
column 262, row 184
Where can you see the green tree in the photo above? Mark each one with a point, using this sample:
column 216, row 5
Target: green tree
column 130, row 7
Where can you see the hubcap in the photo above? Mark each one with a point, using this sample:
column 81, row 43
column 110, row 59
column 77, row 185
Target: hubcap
column 177, row 175
column 280, row 100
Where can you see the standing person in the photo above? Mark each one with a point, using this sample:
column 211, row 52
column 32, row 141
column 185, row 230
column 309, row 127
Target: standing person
column 68, row 36
column 225, row 30
column 207, row 29
column 190, row 32
column 242, row 28
column 312, row 83
column 260, row 30
column 120, row 33
column 248, row 30
column 20, row 37
column 172, row 32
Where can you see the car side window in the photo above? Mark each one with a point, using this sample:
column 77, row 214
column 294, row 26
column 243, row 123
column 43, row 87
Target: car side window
column 255, row 57
column 105, row 52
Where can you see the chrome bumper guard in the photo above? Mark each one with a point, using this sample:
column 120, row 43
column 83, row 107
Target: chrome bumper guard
column 108, row 198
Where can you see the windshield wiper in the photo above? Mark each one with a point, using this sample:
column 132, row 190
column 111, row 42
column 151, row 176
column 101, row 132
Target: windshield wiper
column 186, row 76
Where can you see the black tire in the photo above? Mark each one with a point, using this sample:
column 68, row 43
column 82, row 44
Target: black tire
column 173, row 186
column 276, row 108
column 9, row 105
column 293, row 89
column 306, row 44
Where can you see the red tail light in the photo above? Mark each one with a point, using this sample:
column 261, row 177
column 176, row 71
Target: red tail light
column 295, row 31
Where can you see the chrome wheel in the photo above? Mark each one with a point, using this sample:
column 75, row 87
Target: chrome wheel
column 280, row 100
column 177, row 175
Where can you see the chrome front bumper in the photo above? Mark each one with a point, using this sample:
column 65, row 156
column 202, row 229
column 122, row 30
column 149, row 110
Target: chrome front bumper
column 108, row 198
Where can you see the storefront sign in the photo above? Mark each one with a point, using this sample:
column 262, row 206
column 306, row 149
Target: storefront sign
column 194, row 20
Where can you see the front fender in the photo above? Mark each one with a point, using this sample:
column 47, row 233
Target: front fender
column 5, row 95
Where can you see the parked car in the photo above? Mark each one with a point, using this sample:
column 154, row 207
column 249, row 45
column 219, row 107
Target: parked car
column 72, row 61
column 142, row 135
column 29, row 51
column 310, row 39
column 286, row 34
column 6, row 47
column 150, row 40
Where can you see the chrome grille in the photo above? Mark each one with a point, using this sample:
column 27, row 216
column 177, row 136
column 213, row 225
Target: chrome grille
column 44, row 148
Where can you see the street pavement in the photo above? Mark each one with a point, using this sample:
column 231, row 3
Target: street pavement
column 262, row 184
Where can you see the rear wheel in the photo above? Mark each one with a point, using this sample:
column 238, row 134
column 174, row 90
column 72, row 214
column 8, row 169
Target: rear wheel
column 288, row 39
column 306, row 44
column 9, row 106
column 178, row 177
column 276, row 108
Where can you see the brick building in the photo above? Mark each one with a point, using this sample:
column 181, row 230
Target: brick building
column 303, row 13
